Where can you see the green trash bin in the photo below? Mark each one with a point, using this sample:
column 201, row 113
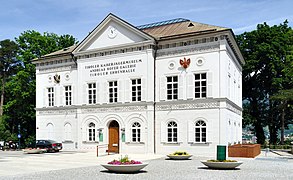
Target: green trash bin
column 221, row 152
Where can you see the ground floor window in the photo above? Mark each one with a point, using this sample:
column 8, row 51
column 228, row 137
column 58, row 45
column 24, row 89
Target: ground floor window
column 172, row 131
column 200, row 131
column 91, row 132
column 135, row 129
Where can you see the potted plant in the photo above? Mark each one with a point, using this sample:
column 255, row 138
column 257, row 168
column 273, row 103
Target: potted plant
column 124, row 165
column 221, row 164
column 179, row 155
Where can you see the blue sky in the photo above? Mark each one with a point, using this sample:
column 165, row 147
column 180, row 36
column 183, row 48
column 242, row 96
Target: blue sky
column 79, row 17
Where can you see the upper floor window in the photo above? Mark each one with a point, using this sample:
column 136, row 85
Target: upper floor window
column 68, row 95
column 172, row 87
column 91, row 132
column 136, row 89
column 51, row 96
column 92, row 93
column 113, row 91
column 136, row 132
column 200, row 131
column 200, row 85
column 172, row 131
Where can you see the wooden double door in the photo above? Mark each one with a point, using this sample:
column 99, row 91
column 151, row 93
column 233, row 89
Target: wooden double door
column 114, row 137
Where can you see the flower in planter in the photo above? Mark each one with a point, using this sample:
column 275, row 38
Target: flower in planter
column 214, row 160
column 180, row 153
column 124, row 161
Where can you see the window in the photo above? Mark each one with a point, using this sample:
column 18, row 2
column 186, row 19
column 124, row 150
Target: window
column 136, row 89
column 68, row 95
column 92, row 92
column 200, row 85
column 91, row 132
column 51, row 96
column 113, row 91
column 135, row 132
column 200, row 131
column 50, row 130
column 172, row 87
column 172, row 131
column 67, row 132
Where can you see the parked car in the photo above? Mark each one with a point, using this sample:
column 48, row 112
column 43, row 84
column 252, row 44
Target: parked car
column 49, row 145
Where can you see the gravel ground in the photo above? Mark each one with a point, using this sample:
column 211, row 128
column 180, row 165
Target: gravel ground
column 260, row 168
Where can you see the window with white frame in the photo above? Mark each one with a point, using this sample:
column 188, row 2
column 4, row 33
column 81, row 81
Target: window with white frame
column 113, row 91
column 200, row 85
column 92, row 93
column 200, row 131
column 68, row 95
column 51, row 96
column 172, row 87
column 136, row 89
column 92, row 132
column 172, row 131
column 135, row 129
column 50, row 130
column 67, row 132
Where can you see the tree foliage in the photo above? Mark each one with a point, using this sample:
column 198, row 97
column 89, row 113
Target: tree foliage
column 268, row 54
column 20, row 89
column 8, row 64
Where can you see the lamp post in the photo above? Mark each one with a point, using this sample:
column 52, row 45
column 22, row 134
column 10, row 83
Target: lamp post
column 19, row 136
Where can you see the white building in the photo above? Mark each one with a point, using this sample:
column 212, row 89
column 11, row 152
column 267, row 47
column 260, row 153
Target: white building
column 157, row 88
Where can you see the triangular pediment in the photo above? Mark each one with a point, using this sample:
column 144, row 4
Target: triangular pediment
column 112, row 32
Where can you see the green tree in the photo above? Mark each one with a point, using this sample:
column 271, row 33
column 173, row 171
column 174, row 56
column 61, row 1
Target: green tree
column 20, row 90
column 266, row 53
column 8, row 63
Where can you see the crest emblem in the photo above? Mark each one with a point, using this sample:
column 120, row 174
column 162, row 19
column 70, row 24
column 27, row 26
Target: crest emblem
column 185, row 63
column 57, row 78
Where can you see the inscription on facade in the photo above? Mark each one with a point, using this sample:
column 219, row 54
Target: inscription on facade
column 111, row 68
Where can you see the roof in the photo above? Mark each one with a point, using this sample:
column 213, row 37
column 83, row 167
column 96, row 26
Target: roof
column 179, row 28
column 159, row 30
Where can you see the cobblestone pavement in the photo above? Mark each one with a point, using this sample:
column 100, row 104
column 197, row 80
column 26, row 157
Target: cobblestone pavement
column 85, row 165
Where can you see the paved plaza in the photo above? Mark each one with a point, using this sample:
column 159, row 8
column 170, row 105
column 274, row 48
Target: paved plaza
column 85, row 165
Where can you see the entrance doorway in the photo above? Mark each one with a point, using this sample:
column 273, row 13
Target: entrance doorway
column 114, row 137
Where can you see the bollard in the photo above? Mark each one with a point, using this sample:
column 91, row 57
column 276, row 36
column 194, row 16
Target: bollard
column 97, row 151
column 267, row 151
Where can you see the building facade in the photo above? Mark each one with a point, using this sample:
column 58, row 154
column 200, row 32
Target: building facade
column 156, row 88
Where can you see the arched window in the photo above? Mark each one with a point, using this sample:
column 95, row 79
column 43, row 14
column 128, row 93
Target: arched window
column 200, row 131
column 91, row 132
column 172, row 131
column 50, row 130
column 67, row 132
column 135, row 129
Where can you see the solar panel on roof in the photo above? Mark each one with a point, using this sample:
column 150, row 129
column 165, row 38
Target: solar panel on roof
column 172, row 21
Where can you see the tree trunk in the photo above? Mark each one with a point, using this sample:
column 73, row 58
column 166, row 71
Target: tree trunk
column 283, row 121
column 259, row 132
column 2, row 96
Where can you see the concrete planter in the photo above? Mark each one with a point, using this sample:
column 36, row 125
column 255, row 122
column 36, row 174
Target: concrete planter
column 130, row 168
column 222, row 165
column 179, row 157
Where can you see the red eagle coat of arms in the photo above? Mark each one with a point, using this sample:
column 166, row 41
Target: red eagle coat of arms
column 185, row 62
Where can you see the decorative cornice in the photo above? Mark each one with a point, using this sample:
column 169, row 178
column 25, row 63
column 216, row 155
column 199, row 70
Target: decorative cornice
column 215, row 46
column 57, row 112
column 114, row 109
column 187, row 106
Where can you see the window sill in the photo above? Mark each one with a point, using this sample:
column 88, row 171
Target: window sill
column 67, row 141
column 199, row 143
column 134, row 143
column 90, row 142
column 172, row 143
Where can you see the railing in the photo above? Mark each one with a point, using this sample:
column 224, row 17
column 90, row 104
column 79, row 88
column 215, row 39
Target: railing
column 102, row 145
